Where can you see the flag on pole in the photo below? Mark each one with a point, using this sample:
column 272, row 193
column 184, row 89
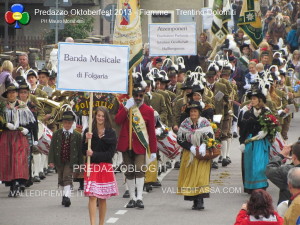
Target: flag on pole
column 128, row 30
column 221, row 16
column 250, row 21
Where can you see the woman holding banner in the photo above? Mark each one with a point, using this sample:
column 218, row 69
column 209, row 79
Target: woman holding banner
column 101, row 184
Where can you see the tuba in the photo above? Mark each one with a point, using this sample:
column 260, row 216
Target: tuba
column 57, row 108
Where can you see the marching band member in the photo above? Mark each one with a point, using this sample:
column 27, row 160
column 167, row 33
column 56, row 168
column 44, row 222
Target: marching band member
column 14, row 143
column 220, row 104
column 65, row 152
column 143, row 123
column 255, row 143
column 34, row 106
column 32, row 79
column 227, row 120
column 194, row 174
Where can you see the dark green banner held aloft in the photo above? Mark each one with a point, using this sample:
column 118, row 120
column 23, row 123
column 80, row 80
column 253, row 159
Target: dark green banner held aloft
column 222, row 15
column 250, row 21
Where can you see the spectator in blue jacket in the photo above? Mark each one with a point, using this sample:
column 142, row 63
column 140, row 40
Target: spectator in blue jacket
column 292, row 39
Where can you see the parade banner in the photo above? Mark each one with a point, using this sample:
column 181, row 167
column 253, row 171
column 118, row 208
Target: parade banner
column 81, row 102
column 250, row 21
column 93, row 68
column 221, row 16
column 172, row 39
column 128, row 30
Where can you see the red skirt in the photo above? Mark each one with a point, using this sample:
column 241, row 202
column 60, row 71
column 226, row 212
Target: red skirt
column 102, row 181
column 13, row 156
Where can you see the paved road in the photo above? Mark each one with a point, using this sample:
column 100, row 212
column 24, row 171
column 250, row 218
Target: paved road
column 40, row 204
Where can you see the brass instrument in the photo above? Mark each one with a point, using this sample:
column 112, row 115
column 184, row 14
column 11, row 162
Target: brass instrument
column 57, row 108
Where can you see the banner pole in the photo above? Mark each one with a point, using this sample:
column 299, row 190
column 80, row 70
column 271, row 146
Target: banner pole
column 90, row 131
column 130, row 112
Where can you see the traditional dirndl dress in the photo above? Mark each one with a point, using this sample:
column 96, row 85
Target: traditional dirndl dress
column 256, row 158
column 14, row 153
column 102, row 181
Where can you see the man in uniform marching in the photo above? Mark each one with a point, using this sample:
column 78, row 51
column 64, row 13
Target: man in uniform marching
column 144, row 142
column 221, row 100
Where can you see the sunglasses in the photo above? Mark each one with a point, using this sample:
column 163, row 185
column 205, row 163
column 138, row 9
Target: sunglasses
column 138, row 95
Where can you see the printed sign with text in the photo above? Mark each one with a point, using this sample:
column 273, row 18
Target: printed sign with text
column 93, row 67
column 172, row 39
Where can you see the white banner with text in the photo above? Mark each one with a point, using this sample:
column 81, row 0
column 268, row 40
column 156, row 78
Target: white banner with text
column 93, row 67
column 167, row 39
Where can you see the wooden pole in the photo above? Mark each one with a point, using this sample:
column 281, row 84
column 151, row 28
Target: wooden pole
column 130, row 111
column 90, row 131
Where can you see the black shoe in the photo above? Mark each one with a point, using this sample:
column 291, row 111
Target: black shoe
column 63, row 200
column 199, row 204
column 45, row 171
column 225, row 162
column 50, row 170
column 177, row 165
column 156, row 184
column 42, row 175
column 29, row 182
column 81, row 184
column 147, row 187
column 169, row 165
column 15, row 189
column 67, row 202
column 163, row 169
column 214, row 165
column 229, row 160
column 11, row 192
column 235, row 135
column 131, row 204
column 159, row 171
column 220, row 159
column 22, row 187
column 139, row 204
column 36, row 179
column 195, row 204
column 80, row 188
column 126, row 194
